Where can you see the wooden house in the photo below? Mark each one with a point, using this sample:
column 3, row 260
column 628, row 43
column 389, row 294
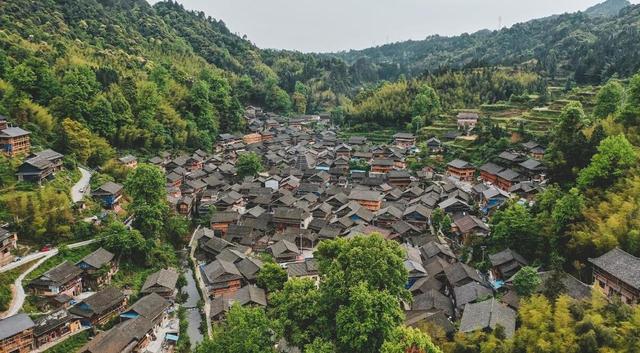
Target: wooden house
column 40, row 166
column 14, row 141
column 461, row 170
column 618, row 274
column 62, row 279
column 8, row 242
column 109, row 194
column 97, row 269
column 54, row 327
column 404, row 140
column 101, row 307
column 16, row 334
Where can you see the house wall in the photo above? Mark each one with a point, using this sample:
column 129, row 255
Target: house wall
column 18, row 343
column 462, row 174
column 612, row 286
column 13, row 146
column 370, row 205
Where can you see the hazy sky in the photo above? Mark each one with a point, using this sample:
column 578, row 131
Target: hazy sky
column 334, row 25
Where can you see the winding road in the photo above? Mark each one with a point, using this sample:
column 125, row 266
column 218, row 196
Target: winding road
column 80, row 188
column 19, row 294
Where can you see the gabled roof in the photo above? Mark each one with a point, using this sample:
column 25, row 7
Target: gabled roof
column 505, row 256
column 250, row 295
column 365, row 195
column 98, row 258
column 110, row 188
column 459, row 271
column 432, row 301
column 471, row 292
column 460, row 164
column 468, row 223
column 214, row 270
column 165, row 278
column 58, row 275
column 150, row 306
column 488, row 314
column 99, row 303
column 620, row 264
column 14, row 324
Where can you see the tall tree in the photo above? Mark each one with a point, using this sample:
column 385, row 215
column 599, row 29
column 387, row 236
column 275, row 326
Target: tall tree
column 609, row 100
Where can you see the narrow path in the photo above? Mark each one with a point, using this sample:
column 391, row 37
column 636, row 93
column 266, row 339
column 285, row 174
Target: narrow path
column 80, row 188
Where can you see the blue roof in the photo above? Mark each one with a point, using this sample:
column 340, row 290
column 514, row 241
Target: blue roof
column 171, row 337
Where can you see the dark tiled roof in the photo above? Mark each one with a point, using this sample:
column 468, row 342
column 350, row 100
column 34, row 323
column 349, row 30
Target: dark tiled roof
column 488, row 314
column 98, row 258
column 620, row 264
column 165, row 278
column 59, row 275
column 150, row 306
column 14, row 325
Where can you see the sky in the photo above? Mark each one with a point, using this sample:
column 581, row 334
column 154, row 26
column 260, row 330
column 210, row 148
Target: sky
column 335, row 25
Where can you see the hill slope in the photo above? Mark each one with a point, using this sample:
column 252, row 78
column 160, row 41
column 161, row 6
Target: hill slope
column 592, row 48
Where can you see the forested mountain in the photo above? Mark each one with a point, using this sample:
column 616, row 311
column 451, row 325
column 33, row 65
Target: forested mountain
column 591, row 49
column 608, row 8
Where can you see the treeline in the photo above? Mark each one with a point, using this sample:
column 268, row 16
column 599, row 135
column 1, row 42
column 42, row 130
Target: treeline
column 589, row 49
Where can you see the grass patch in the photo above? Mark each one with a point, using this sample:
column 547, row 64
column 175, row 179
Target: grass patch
column 131, row 276
column 71, row 344
column 6, row 280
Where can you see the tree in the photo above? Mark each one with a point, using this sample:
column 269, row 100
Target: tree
column 125, row 242
column 609, row 100
column 614, row 158
column 515, row 228
column 526, row 281
column 368, row 320
column 426, row 103
column 101, row 119
column 146, row 185
column 408, row 340
column 278, row 99
column 245, row 330
column 320, row 345
column 297, row 313
column 569, row 149
column 271, row 277
column 248, row 164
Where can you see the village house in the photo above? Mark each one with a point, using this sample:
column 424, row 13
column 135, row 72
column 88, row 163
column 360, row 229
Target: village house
column 220, row 221
column 250, row 139
column 506, row 263
column 129, row 161
column 63, row 279
column 151, row 307
column 40, row 166
column 16, row 334
column 101, row 307
column 467, row 121
column 434, row 145
column 250, row 296
column 291, row 217
column 382, row 166
column 8, row 242
column 461, row 170
column 129, row 336
column 98, row 269
column 534, row 150
column 109, row 194
column 487, row 315
column 55, row 326
column 507, row 178
column 14, row 141
column 343, row 151
column 399, row 178
column 618, row 274
column 284, row 251
column 162, row 282
column 468, row 226
column 404, row 140
column 371, row 200
column 489, row 172
column 304, row 269
column 222, row 278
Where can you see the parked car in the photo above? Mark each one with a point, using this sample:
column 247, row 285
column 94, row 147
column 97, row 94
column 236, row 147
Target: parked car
column 45, row 248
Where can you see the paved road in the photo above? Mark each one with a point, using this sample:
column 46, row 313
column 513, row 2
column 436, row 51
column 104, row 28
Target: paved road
column 82, row 184
column 19, row 294
column 38, row 255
